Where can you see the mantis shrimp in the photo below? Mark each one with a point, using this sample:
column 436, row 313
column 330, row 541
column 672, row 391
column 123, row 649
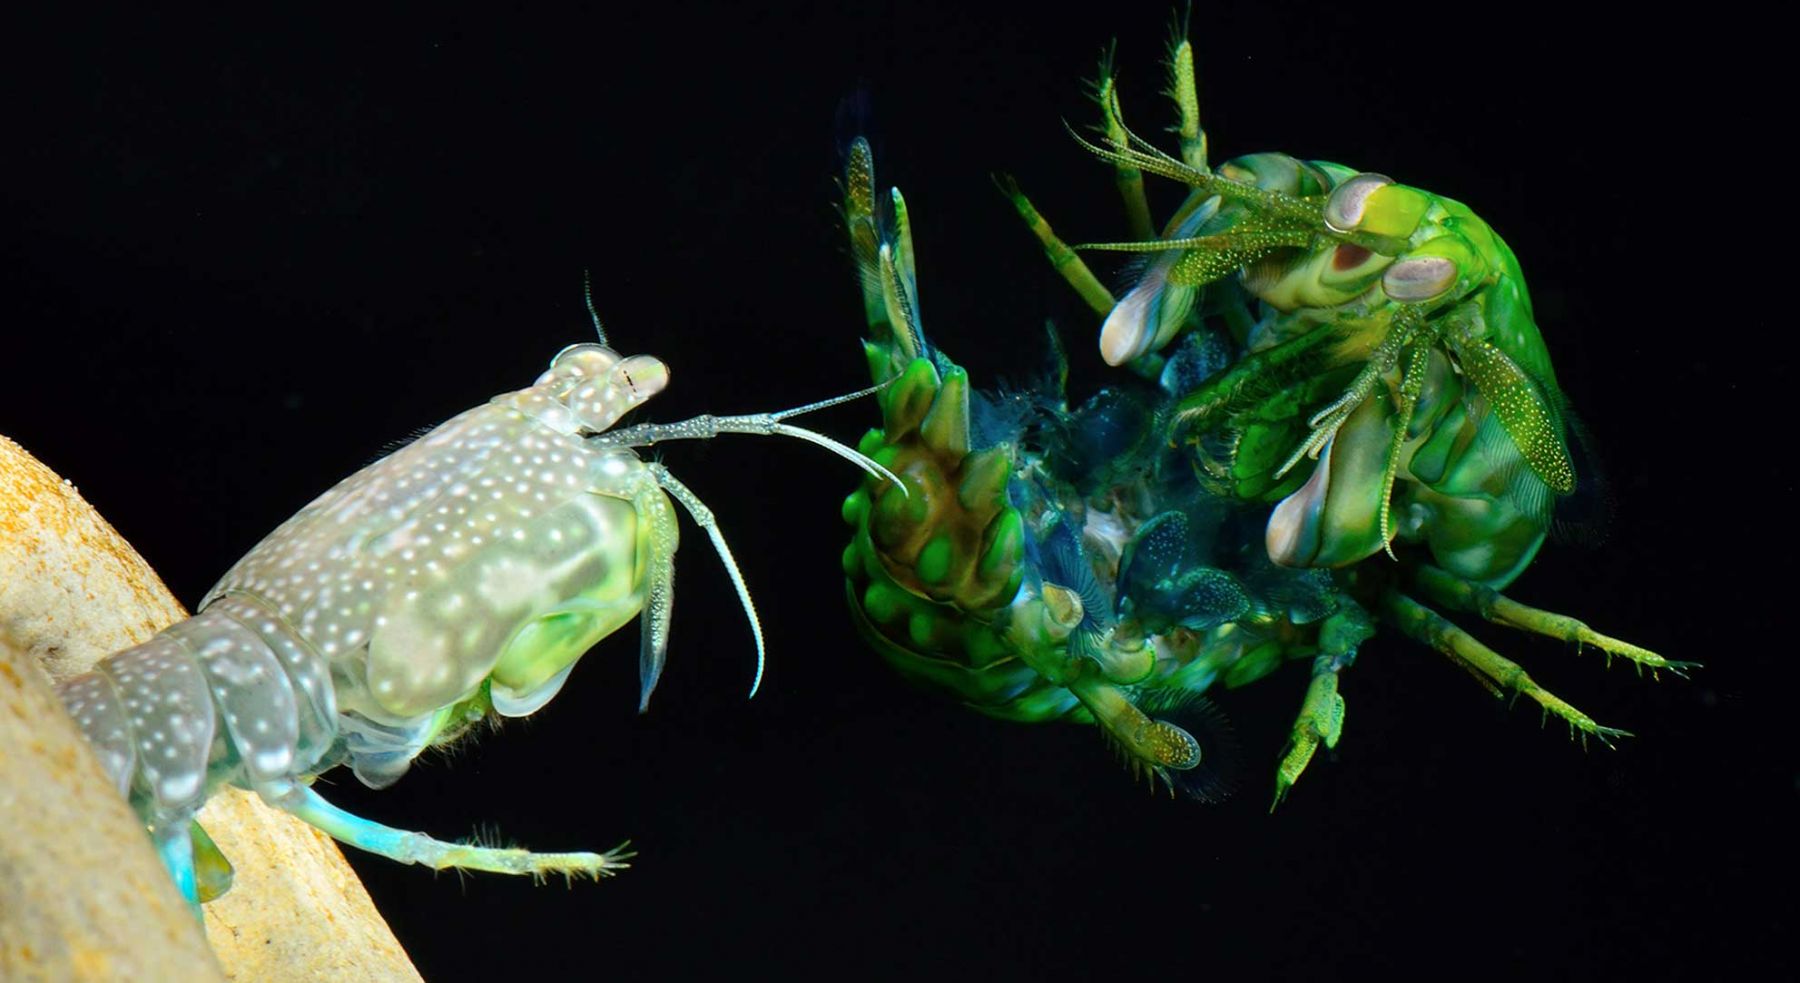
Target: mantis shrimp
column 461, row 576
column 1110, row 563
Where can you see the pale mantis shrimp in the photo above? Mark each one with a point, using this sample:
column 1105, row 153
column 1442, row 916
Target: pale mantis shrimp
column 462, row 575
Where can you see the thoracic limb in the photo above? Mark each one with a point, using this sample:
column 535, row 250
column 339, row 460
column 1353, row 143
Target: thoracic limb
column 407, row 847
column 703, row 517
column 1254, row 377
column 1321, row 721
column 1443, row 587
column 1408, row 323
column 1411, row 385
column 1489, row 668
column 1154, row 748
column 1321, row 717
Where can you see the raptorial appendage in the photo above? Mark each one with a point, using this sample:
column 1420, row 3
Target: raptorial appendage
column 457, row 579
column 1328, row 371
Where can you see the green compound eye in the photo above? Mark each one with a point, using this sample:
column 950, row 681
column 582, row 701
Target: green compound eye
column 1419, row 278
column 1351, row 363
column 1344, row 210
column 1372, row 204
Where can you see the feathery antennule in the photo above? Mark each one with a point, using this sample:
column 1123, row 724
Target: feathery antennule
column 1219, row 241
column 587, row 294
column 1098, row 88
column 1181, row 23
column 1174, row 171
column 1146, row 156
column 1144, row 146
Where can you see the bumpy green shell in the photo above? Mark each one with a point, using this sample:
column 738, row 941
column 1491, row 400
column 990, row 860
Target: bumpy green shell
column 1049, row 564
column 1112, row 562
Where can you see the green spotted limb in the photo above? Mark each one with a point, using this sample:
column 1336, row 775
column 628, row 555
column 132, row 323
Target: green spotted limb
column 1454, row 592
column 1321, row 718
column 1500, row 675
column 1320, row 722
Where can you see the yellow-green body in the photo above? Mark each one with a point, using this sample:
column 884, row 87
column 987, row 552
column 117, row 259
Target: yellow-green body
column 1113, row 561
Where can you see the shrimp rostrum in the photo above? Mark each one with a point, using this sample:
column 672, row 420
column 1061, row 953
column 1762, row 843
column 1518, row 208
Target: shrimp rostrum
column 463, row 575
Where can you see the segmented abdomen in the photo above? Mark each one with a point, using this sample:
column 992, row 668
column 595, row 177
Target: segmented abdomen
column 229, row 695
column 357, row 625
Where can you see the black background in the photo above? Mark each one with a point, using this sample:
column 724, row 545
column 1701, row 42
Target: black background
column 241, row 257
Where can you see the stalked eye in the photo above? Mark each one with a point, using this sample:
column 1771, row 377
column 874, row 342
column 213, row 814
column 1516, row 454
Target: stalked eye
column 642, row 376
column 1419, row 278
column 585, row 360
column 584, row 354
column 1344, row 209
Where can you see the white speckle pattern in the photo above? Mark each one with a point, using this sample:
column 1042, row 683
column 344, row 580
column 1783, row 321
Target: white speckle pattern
column 425, row 563
column 91, row 699
column 251, row 693
column 308, row 676
column 170, row 713
column 501, row 545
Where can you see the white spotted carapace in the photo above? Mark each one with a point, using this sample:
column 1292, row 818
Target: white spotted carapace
column 465, row 573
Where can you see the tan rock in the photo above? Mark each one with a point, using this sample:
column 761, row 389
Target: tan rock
column 82, row 894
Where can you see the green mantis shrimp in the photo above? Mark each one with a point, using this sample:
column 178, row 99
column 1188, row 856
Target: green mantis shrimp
column 461, row 576
column 1328, row 371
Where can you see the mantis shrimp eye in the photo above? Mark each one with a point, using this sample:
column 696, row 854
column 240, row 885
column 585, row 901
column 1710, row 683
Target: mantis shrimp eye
column 582, row 361
column 641, row 376
column 1344, row 209
column 1417, row 279
column 599, row 402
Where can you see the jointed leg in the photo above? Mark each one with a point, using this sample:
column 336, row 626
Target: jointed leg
column 1321, row 721
column 1254, row 377
column 1443, row 587
column 408, row 847
column 1411, row 385
column 1489, row 668
column 1154, row 749
column 1407, row 324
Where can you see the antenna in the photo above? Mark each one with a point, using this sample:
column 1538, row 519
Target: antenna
column 587, row 294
